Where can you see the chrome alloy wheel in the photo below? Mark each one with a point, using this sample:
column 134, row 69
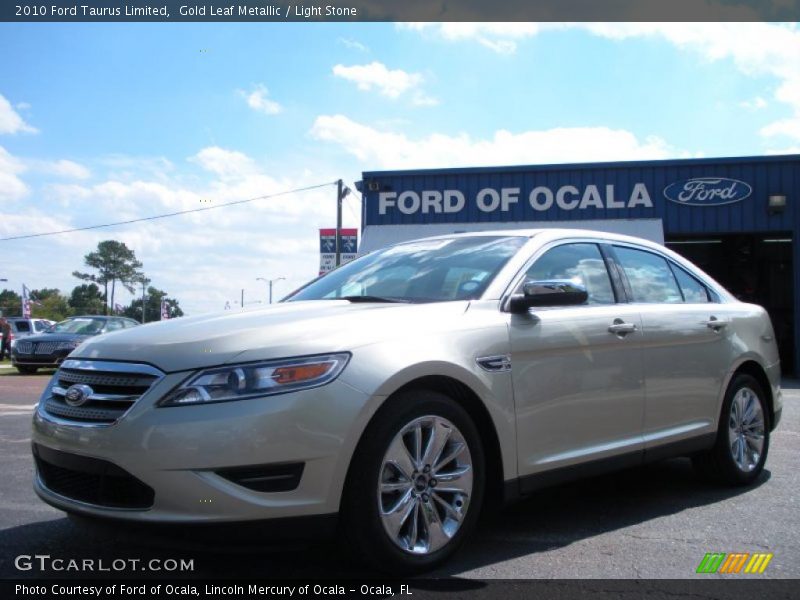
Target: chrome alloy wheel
column 425, row 485
column 746, row 429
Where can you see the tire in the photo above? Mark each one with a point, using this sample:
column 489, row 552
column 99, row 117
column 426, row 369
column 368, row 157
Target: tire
column 389, row 529
column 742, row 444
column 26, row 370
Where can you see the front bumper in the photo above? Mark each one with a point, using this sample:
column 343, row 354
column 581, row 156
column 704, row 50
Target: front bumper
column 39, row 360
column 178, row 451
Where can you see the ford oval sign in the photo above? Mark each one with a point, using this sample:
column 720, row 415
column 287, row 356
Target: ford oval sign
column 707, row 191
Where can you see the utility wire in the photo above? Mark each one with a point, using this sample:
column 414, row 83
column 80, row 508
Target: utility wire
column 172, row 214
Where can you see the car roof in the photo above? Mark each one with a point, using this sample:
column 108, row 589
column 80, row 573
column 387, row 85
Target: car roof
column 549, row 233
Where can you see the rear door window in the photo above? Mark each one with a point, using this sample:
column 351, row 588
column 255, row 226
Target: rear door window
column 22, row 326
column 693, row 290
column 651, row 280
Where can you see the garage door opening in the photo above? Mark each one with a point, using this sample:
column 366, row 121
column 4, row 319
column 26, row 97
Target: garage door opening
column 755, row 268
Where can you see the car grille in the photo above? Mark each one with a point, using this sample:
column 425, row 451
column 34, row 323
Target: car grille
column 45, row 347
column 113, row 389
column 90, row 480
column 24, row 347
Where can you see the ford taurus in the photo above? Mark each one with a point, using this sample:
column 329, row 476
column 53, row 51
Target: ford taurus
column 398, row 393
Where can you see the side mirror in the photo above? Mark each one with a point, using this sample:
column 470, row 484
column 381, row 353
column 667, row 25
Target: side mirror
column 548, row 293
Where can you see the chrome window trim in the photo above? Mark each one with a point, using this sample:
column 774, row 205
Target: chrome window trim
column 721, row 296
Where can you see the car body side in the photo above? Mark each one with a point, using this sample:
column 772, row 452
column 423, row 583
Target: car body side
column 418, row 345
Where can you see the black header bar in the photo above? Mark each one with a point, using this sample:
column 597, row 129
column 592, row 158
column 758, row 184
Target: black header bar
column 397, row 10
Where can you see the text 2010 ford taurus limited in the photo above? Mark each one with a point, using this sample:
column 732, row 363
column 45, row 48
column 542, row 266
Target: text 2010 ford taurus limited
column 401, row 390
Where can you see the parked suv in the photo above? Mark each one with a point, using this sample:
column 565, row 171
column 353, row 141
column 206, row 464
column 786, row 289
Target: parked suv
column 48, row 349
column 392, row 395
column 22, row 327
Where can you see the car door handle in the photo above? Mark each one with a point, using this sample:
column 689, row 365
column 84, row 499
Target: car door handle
column 715, row 323
column 621, row 328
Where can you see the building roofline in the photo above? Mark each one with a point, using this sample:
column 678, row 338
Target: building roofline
column 586, row 166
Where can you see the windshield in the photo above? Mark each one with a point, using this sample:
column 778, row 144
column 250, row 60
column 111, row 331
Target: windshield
column 424, row 271
column 81, row 326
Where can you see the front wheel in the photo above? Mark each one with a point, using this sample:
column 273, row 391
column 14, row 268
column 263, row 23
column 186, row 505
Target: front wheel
column 416, row 483
column 740, row 451
column 26, row 370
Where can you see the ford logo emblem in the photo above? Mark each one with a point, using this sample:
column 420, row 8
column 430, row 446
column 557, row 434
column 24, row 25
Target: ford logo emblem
column 78, row 394
column 707, row 191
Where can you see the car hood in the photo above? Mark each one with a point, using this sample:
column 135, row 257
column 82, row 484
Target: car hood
column 280, row 330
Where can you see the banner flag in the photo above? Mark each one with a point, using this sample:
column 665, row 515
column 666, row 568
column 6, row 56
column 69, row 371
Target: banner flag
column 327, row 248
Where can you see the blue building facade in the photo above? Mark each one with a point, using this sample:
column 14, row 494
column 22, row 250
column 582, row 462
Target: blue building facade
column 737, row 218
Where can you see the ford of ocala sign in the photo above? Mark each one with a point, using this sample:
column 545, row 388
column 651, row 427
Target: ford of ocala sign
column 707, row 191
column 504, row 200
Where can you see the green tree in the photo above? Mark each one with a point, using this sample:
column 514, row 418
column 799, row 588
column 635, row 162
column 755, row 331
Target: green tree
column 86, row 299
column 49, row 303
column 10, row 303
column 153, row 305
column 113, row 262
column 43, row 294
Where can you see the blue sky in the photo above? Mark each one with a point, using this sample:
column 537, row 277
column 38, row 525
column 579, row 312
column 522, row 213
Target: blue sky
column 104, row 122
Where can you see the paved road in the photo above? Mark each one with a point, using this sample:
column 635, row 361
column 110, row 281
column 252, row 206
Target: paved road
column 656, row 522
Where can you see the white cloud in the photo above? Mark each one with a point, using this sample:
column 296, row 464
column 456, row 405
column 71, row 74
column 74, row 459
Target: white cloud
column 202, row 258
column 756, row 103
column 353, row 44
column 227, row 164
column 67, row 169
column 498, row 37
column 396, row 150
column 783, row 127
column 10, row 121
column 258, row 99
column 756, row 49
column 789, row 150
column 11, row 186
column 420, row 98
column 391, row 83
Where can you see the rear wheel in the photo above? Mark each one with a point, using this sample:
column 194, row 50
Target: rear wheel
column 27, row 370
column 416, row 483
column 740, row 451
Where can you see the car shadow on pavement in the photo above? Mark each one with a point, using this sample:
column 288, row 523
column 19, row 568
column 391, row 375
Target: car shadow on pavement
column 551, row 519
column 556, row 517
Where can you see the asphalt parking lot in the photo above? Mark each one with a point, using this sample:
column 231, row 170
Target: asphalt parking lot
column 656, row 522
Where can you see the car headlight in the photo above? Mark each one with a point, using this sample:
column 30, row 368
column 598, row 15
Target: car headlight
column 253, row 380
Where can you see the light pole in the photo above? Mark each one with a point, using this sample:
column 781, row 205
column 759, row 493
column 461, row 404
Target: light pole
column 269, row 283
column 144, row 282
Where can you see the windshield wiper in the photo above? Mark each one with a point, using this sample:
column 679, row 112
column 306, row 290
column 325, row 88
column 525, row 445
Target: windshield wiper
column 372, row 299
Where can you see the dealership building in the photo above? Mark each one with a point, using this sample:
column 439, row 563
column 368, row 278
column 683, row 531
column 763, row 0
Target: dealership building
column 736, row 218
